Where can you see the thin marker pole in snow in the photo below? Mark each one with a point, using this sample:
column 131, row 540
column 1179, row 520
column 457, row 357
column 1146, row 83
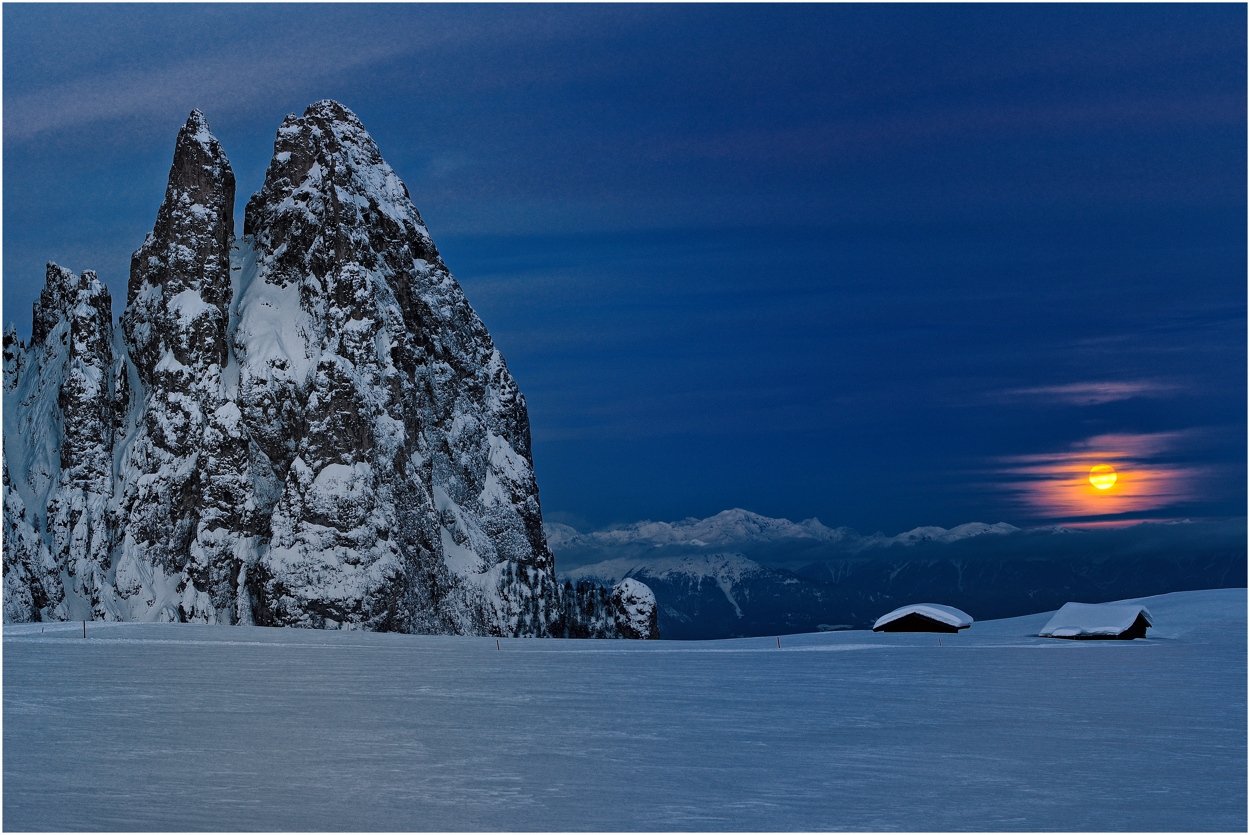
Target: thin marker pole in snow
column 84, row 629
column 779, row 642
column 939, row 641
column 496, row 643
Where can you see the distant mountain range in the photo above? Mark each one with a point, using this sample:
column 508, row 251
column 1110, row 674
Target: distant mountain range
column 735, row 526
column 741, row 574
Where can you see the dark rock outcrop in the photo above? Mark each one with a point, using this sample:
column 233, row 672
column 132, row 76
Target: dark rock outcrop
column 636, row 614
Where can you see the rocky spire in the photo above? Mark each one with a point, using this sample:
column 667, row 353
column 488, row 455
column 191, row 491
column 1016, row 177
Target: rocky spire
column 348, row 205
column 402, row 440
column 59, row 452
column 175, row 323
column 179, row 292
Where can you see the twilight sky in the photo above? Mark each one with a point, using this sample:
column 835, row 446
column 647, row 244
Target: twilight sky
column 885, row 265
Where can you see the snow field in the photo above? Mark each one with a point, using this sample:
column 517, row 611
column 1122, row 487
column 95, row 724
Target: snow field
column 190, row 727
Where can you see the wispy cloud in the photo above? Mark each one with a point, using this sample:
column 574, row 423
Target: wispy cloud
column 1057, row 485
column 331, row 47
column 1091, row 393
column 225, row 80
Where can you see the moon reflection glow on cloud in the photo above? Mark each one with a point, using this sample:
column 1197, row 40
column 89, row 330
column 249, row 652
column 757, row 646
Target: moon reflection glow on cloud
column 1062, row 485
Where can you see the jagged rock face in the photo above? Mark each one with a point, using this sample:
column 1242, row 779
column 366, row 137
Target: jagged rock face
column 636, row 614
column 186, row 465
column 312, row 428
column 59, row 434
column 179, row 292
column 28, row 566
column 374, row 390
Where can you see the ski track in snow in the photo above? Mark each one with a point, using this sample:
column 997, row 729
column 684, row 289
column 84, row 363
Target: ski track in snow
column 189, row 727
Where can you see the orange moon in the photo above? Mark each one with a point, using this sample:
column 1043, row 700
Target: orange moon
column 1102, row 477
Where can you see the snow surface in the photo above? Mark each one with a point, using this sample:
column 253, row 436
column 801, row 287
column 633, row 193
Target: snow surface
column 1093, row 619
column 934, row 611
column 189, row 727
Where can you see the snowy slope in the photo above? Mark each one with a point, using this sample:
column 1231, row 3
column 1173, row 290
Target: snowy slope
column 188, row 727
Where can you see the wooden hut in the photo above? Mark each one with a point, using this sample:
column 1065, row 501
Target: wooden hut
column 923, row 617
column 1099, row 621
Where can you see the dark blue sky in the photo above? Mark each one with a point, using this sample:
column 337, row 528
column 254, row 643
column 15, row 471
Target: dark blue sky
column 884, row 265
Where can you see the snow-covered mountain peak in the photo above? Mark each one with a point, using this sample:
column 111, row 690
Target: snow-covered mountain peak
column 933, row 533
column 200, row 168
column 197, row 126
column 316, row 432
column 70, row 348
column 62, row 295
column 738, row 524
column 58, row 444
column 328, row 174
column 180, row 290
column 351, row 323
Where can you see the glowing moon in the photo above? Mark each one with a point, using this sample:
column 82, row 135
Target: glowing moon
column 1102, row 477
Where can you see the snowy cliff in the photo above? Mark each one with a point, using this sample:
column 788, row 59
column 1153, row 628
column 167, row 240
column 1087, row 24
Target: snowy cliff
column 308, row 427
column 58, row 453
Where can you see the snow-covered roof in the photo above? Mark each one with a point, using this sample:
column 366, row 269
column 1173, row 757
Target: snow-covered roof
column 1093, row 619
column 934, row 611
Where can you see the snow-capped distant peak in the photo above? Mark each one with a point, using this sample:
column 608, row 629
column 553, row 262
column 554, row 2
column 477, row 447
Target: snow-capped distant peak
column 730, row 527
column 936, row 534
